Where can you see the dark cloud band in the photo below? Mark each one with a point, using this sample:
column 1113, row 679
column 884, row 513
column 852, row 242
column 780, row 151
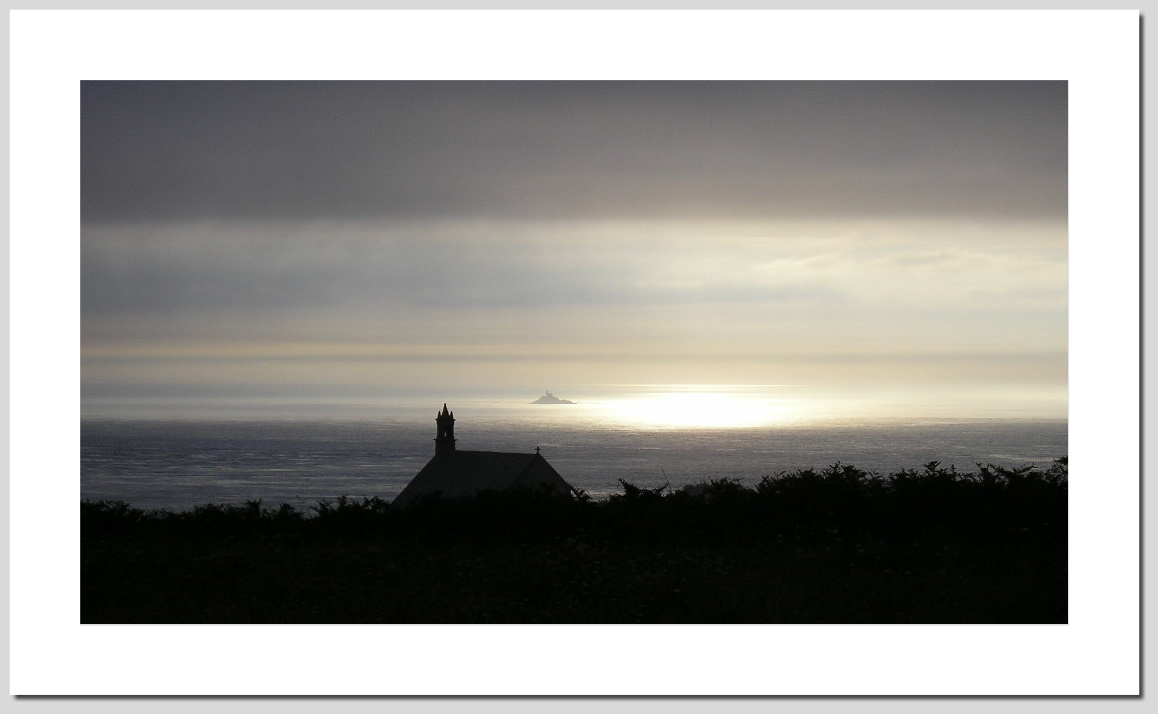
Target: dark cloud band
column 567, row 150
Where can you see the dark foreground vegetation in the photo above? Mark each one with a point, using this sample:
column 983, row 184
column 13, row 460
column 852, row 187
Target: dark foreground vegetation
column 833, row 546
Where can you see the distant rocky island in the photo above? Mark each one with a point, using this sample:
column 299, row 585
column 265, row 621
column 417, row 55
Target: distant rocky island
column 549, row 398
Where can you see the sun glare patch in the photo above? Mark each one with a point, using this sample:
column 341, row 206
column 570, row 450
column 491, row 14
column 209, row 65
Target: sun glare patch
column 699, row 409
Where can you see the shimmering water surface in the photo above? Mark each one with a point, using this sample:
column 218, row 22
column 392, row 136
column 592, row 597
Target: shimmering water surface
column 178, row 464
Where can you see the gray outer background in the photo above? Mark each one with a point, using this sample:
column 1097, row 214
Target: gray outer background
column 1149, row 10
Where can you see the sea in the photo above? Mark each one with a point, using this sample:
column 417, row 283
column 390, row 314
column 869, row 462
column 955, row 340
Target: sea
column 179, row 463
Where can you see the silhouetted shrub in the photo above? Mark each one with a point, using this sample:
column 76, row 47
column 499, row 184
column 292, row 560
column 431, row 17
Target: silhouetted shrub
column 632, row 492
column 106, row 518
column 349, row 516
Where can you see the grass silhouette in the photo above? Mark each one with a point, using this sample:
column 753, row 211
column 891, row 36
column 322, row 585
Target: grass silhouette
column 837, row 545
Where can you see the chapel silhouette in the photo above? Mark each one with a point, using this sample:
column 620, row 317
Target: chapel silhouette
column 458, row 474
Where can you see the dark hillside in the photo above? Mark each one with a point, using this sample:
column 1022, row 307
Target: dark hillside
column 837, row 545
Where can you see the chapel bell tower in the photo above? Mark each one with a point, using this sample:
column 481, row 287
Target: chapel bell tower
column 444, row 443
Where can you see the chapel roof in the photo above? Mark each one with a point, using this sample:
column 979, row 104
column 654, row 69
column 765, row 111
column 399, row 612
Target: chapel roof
column 467, row 473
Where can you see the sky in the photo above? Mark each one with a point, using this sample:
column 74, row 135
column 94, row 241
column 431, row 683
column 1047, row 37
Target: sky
column 823, row 248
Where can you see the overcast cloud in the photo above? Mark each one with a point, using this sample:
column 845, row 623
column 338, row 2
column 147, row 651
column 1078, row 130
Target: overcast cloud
column 298, row 233
column 600, row 150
